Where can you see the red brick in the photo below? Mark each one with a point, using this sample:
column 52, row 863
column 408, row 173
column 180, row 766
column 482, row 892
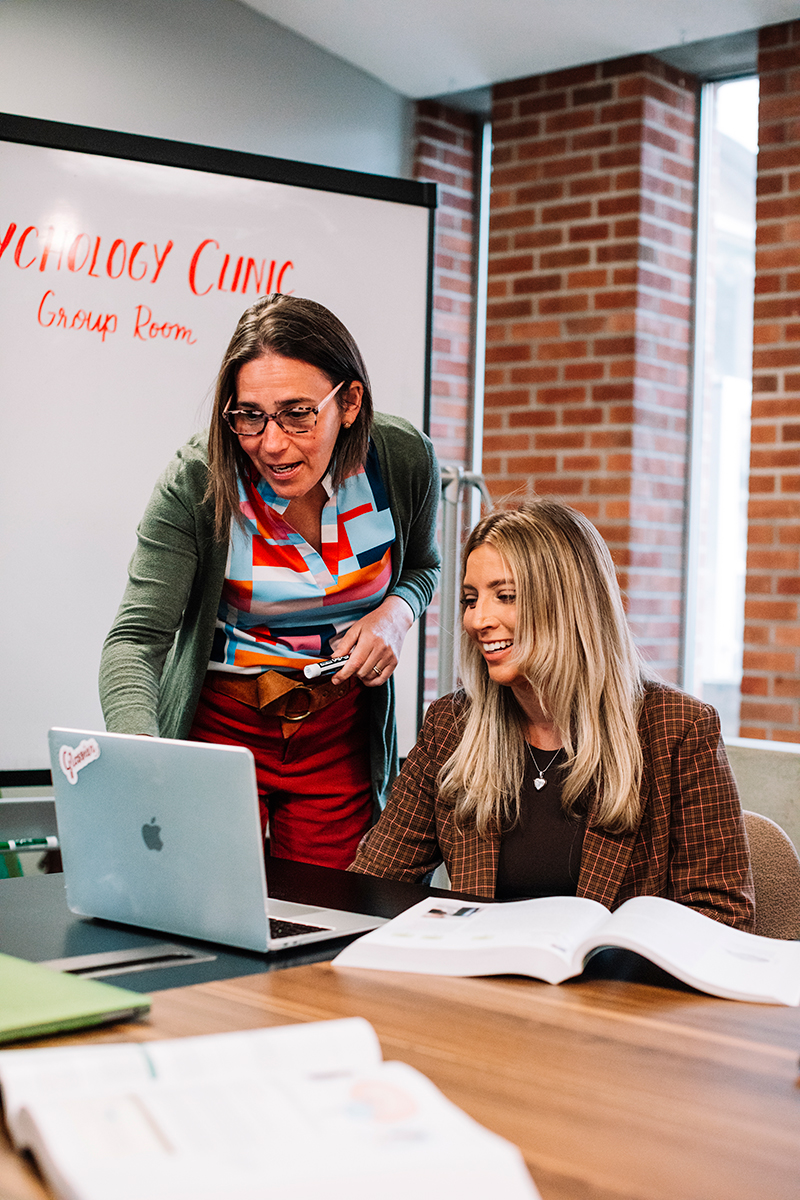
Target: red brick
column 543, row 104
column 563, row 349
column 564, row 258
column 587, row 279
column 537, row 238
column 534, row 374
column 540, row 191
column 571, row 76
column 509, row 309
column 578, row 164
column 563, row 304
column 592, row 140
column 590, row 185
column 531, row 418
column 536, row 283
column 564, row 122
column 589, row 233
column 566, row 212
column 576, row 371
column 615, row 299
column 507, row 353
column 511, row 264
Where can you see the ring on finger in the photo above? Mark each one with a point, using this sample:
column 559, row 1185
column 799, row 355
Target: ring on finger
column 377, row 670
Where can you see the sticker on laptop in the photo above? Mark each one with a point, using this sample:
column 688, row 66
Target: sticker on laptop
column 71, row 761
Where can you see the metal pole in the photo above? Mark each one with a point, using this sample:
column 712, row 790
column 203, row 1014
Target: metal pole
column 454, row 480
column 448, row 592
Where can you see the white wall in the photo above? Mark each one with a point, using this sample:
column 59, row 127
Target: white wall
column 208, row 71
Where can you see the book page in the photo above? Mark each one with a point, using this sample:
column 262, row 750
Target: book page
column 454, row 937
column 305, row 1048
column 385, row 1131
column 703, row 952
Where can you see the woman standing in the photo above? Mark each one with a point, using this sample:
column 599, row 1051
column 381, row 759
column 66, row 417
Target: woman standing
column 299, row 528
column 561, row 769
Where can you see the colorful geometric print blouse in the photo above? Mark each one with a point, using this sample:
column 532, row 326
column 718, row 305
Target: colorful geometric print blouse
column 284, row 604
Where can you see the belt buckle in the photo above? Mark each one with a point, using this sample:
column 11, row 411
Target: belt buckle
column 301, row 716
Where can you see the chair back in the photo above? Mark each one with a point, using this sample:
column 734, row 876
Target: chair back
column 776, row 874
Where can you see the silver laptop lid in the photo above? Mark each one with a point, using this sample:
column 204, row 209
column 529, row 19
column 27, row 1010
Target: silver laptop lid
column 161, row 833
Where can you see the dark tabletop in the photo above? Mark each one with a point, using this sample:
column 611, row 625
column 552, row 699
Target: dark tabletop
column 36, row 924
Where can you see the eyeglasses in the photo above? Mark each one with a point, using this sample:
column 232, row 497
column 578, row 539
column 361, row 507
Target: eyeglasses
column 251, row 422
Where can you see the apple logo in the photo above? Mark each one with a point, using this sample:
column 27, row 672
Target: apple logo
column 151, row 833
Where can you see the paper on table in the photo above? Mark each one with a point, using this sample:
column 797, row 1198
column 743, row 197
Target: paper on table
column 320, row 1046
column 386, row 1132
column 349, row 1131
column 707, row 954
column 551, row 939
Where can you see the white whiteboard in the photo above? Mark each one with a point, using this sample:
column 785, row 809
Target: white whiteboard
column 121, row 282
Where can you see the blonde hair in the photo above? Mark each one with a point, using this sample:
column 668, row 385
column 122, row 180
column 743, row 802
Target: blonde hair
column 573, row 645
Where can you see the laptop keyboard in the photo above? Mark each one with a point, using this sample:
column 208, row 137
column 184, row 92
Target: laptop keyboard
column 281, row 929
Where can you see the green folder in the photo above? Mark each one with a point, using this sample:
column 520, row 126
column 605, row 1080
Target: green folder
column 36, row 1001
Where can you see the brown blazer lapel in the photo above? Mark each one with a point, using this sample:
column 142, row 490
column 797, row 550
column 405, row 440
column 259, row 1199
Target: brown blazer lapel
column 606, row 856
column 604, row 861
column 472, row 860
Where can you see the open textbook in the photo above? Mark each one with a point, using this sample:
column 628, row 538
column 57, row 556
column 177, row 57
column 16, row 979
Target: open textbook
column 299, row 1112
column 552, row 938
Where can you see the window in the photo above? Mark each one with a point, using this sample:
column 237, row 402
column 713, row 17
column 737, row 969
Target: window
column 717, row 545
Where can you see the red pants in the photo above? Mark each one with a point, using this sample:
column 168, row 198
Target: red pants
column 314, row 787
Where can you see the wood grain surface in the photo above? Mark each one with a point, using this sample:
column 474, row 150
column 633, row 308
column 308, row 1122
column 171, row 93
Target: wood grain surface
column 612, row 1090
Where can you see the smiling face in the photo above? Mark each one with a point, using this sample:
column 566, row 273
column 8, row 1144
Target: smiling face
column 489, row 601
column 293, row 464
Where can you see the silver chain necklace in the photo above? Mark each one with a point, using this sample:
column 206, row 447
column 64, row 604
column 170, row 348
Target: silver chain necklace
column 540, row 781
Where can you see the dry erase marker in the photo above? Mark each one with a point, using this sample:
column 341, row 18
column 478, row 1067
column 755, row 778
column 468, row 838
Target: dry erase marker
column 15, row 844
column 329, row 667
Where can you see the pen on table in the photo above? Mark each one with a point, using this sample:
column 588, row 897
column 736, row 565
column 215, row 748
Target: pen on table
column 38, row 843
column 329, row 667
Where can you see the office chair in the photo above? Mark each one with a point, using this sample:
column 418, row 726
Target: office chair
column 776, row 873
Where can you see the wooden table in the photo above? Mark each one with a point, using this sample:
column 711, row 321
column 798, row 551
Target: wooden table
column 612, row 1090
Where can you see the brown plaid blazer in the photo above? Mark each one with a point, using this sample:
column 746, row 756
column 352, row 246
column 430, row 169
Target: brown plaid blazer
column 689, row 845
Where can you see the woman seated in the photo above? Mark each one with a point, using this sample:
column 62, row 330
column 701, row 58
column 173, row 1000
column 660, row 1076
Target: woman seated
column 561, row 768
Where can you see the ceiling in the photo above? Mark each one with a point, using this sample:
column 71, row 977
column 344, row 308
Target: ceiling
column 436, row 47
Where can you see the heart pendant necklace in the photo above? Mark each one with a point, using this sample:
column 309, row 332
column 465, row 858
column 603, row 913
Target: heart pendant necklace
column 540, row 780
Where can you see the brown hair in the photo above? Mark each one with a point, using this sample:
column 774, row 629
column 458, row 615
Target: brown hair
column 294, row 328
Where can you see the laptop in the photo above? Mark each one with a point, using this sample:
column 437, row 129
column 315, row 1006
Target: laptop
column 166, row 835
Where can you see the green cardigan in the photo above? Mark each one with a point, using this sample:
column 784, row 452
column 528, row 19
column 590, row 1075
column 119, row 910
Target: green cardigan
column 155, row 658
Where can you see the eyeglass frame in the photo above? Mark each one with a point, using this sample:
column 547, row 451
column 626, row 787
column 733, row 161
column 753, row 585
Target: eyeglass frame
column 228, row 412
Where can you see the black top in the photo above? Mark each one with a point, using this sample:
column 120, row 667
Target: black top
column 540, row 854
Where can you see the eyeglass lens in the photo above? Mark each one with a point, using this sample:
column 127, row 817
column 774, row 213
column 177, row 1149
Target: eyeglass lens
column 252, row 422
column 302, row 420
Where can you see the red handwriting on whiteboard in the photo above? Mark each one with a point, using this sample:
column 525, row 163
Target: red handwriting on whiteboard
column 102, row 323
column 210, row 269
column 62, row 249
column 144, row 328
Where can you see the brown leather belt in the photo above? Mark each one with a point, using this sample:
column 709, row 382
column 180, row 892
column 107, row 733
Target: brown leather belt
column 277, row 695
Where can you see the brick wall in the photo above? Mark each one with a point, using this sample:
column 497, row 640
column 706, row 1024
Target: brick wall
column 445, row 153
column 771, row 683
column 589, row 315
